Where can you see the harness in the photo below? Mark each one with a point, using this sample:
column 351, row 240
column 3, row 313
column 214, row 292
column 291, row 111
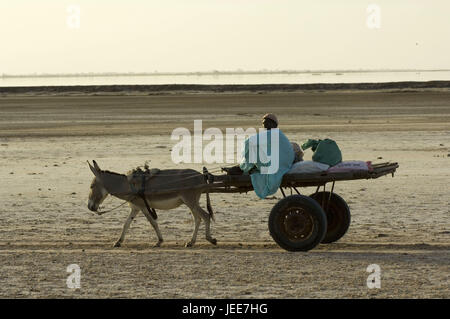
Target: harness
column 140, row 192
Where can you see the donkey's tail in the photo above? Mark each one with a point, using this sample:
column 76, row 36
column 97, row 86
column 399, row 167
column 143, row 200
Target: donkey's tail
column 209, row 207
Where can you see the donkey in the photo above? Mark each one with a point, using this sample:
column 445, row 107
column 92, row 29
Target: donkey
column 190, row 184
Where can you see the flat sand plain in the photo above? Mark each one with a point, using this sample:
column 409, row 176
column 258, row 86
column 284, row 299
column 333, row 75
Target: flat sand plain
column 401, row 223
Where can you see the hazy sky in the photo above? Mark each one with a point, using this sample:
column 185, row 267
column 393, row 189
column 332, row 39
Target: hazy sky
column 204, row 35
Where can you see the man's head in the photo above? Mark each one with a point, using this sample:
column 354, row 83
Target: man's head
column 270, row 121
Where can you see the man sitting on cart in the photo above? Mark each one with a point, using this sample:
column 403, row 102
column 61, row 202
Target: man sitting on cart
column 267, row 156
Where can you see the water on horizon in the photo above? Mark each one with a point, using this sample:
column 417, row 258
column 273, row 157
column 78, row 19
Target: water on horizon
column 235, row 78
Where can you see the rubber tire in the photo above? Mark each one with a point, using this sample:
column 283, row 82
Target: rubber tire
column 309, row 206
column 338, row 216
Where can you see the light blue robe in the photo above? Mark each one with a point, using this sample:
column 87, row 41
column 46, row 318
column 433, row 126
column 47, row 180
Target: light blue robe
column 269, row 171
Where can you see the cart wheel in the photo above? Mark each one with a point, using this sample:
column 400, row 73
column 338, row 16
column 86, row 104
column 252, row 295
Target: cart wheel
column 297, row 223
column 338, row 215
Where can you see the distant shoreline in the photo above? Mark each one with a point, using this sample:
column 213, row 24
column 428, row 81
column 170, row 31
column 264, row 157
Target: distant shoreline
column 226, row 88
column 209, row 73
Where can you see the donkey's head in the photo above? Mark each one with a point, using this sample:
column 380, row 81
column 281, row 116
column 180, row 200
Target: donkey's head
column 98, row 192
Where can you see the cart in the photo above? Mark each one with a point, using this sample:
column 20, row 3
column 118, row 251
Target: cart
column 298, row 222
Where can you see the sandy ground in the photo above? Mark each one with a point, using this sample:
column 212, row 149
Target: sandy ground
column 401, row 223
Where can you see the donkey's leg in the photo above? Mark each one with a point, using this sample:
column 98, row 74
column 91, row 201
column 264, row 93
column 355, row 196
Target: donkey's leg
column 198, row 213
column 197, row 221
column 207, row 219
column 154, row 224
column 126, row 226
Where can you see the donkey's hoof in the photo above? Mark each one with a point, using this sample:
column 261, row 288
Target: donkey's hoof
column 158, row 244
column 213, row 241
column 189, row 244
column 117, row 244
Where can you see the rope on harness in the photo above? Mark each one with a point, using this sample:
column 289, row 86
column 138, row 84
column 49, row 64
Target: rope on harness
column 110, row 210
column 175, row 182
column 141, row 194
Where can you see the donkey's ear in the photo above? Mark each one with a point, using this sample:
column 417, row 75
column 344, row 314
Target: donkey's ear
column 96, row 165
column 94, row 170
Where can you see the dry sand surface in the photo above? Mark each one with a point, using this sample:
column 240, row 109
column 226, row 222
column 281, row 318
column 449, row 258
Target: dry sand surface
column 401, row 223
